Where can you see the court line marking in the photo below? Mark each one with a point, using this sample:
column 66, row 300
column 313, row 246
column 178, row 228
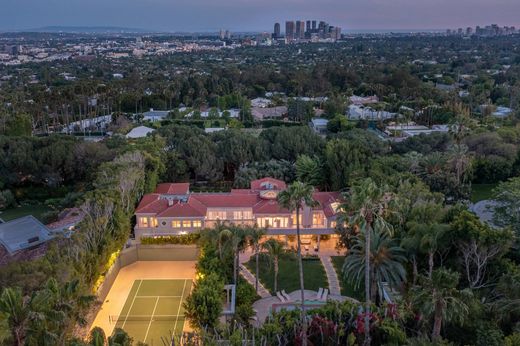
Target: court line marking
column 185, row 319
column 151, row 319
column 133, row 301
column 179, row 310
column 159, row 297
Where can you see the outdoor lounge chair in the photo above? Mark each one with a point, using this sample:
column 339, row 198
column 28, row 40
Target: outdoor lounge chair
column 325, row 295
column 286, row 296
column 281, row 297
column 319, row 294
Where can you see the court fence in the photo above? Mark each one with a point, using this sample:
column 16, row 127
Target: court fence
column 141, row 252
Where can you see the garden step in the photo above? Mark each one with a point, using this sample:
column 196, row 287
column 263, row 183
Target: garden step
column 332, row 276
column 246, row 274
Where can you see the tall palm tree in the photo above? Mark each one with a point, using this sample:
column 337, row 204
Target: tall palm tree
column 295, row 197
column 386, row 262
column 461, row 161
column 439, row 298
column 367, row 207
column 426, row 231
column 233, row 239
column 274, row 249
column 17, row 311
column 255, row 235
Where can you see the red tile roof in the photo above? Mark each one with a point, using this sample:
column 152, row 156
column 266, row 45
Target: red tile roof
column 269, row 207
column 198, row 203
column 173, row 188
column 191, row 208
column 238, row 200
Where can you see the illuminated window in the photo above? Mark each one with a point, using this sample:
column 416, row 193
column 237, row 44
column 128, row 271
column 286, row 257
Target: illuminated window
column 294, row 219
column 176, row 224
column 186, row 224
column 247, row 215
column 273, row 222
column 196, row 223
column 237, row 215
column 153, row 222
column 333, row 224
column 143, row 221
column 317, row 219
column 217, row 215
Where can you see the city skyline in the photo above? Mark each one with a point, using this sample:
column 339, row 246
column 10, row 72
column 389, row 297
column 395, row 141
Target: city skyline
column 236, row 15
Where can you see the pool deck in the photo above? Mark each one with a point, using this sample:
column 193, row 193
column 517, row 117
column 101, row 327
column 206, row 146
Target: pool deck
column 263, row 306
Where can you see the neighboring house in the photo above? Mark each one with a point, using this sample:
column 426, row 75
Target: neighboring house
column 139, row 132
column 173, row 210
column 23, row 233
column 502, row 112
column 260, row 102
column 361, row 101
column 268, row 113
column 355, row 112
column 213, row 129
column 26, row 238
column 319, row 125
column 153, row 115
column 93, row 124
column 412, row 129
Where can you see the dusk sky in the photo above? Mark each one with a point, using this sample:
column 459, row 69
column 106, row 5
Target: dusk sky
column 256, row 15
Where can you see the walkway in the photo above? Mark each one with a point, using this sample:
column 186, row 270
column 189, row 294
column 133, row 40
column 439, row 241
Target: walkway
column 332, row 276
column 246, row 274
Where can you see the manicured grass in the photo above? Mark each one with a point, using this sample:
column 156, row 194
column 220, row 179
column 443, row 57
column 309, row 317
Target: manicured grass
column 347, row 288
column 480, row 192
column 288, row 273
column 36, row 210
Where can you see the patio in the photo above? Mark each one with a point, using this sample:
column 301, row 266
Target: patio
column 263, row 307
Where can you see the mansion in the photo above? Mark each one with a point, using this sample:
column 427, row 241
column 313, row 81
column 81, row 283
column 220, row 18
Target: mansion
column 173, row 210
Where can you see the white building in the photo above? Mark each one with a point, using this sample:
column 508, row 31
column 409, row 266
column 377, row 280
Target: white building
column 139, row 132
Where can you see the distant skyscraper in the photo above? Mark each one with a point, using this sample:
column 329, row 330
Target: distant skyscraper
column 314, row 28
column 289, row 30
column 308, row 27
column 276, row 33
column 300, row 29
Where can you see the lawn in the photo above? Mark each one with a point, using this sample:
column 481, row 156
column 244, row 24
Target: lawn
column 347, row 288
column 37, row 210
column 288, row 274
column 480, row 192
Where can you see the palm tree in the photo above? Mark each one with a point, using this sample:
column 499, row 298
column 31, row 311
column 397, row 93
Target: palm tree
column 461, row 161
column 426, row 231
column 97, row 337
column 17, row 311
column 274, row 249
column 367, row 207
column 255, row 235
column 386, row 260
column 439, row 298
column 295, row 197
column 234, row 239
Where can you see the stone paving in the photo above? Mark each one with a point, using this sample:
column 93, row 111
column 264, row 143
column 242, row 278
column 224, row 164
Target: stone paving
column 246, row 274
column 332, row 276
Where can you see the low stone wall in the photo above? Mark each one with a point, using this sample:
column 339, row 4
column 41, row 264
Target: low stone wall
column 140, row 252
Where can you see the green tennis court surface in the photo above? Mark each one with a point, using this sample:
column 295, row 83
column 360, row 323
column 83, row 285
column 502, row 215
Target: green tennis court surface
column 153, row 311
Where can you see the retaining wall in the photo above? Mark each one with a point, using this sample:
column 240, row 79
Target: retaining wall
column 140, row 252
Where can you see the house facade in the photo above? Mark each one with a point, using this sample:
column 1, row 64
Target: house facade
column 173, row 210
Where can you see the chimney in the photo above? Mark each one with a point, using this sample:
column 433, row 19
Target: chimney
column 170, row 202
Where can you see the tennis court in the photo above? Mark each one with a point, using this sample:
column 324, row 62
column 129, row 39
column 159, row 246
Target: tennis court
column 153, row 311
